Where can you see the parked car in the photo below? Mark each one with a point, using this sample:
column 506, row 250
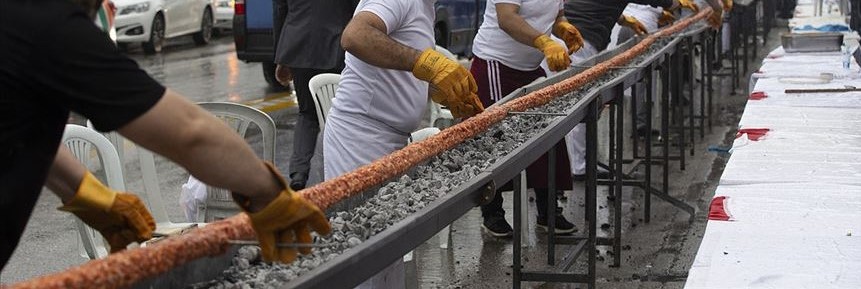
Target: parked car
column 457, row 21
column 151, row 22
column 224, row 14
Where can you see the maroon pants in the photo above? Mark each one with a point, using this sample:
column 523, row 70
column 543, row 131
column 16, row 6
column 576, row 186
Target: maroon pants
column 495, row 81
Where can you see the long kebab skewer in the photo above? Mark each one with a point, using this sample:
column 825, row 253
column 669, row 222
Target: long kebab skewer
column 129, row 267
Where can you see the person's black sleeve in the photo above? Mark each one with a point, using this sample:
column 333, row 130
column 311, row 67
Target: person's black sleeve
column 655, row 3
column 81, row 69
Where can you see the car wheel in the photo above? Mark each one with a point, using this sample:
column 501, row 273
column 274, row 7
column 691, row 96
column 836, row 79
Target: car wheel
column 156, row 36
column 203, row 36
column 269, row 75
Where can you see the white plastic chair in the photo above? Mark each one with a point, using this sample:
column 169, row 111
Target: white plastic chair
column 437, row 113
column 323, row 88
column 83, row 142
column 151, row 194
column 219, row 203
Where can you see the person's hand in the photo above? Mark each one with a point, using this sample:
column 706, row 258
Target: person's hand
column 633, row 24
column 288, row 218
column 451, row 84
column 716, row 19
column 727, row 5
column 569, row 34
column 283, row 75
column 689, row 4
column 666, row 18
column 556, row 55
column 121, row 218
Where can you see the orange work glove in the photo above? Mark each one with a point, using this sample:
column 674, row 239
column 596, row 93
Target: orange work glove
column 569, row 34
column 557, row 56
column 689, row 4
column 634, row 24
column 666, row 18
column 121, row 218
column 288, row 218
column 451, row 84
column 716, row 19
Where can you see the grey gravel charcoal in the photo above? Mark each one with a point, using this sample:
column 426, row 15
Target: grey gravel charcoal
column 408, row 194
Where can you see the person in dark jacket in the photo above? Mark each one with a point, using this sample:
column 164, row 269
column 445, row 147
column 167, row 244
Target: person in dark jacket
column 307, row 36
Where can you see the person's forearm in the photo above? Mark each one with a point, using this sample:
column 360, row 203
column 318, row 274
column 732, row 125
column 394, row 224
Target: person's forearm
column 514, row 25
column 65, row 174
column 365, row 37
column 715, row 4
column 205, row 146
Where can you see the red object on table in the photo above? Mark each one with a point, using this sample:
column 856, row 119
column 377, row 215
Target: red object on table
column 753, row 134
column 717, row 209
column 758, row 95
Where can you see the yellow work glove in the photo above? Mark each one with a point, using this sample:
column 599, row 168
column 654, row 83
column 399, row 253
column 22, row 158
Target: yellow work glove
column 121, row 218
column 451, row 84
column 666, row 18
column 634, row 24
column 288, row 219
column 727, row 5
column 689, row 4
column 569, row 34
column 557, row 56
column 716, row 19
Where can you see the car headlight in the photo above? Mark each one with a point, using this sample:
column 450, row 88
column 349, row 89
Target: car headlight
column 135, row 8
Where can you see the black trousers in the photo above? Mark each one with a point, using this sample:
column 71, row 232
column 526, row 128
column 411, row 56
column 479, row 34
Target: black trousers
column 307, row 125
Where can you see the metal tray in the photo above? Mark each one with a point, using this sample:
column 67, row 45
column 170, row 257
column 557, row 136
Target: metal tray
column 812, row 42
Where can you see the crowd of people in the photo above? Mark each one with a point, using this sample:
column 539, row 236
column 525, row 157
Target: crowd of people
column 384, row 51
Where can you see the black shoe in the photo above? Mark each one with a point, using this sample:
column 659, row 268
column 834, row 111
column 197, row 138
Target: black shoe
column 298, row 180
column 602, row 174
column 497, row 226
column 562, row 225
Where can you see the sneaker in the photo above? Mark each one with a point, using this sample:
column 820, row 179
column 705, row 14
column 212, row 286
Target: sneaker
column 497, row 226
column 562, row 224
column 602, row 174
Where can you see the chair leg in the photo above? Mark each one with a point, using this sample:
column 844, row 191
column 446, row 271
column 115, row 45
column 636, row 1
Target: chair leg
column 445, row 237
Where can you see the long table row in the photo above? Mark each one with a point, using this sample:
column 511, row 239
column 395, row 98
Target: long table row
column 787, row 211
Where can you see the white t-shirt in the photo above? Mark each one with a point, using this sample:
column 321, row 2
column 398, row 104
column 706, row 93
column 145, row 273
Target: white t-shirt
column 492, row 43
column 393, row 97
column 646, row 14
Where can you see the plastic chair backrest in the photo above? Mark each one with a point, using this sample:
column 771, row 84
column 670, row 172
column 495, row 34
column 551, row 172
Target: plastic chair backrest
column 219, row 203
column 152, row 192
column 422, row 134
column 323, row 88
column 82, row 141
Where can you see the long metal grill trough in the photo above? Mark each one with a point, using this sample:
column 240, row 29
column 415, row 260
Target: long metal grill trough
column 457, row 169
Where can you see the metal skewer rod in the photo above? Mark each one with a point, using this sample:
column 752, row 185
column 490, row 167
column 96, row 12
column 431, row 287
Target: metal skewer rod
column 611, row 67
column 282, row 245
column 536, row 113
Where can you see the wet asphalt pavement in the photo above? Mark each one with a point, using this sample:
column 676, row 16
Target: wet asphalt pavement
column 655, row 254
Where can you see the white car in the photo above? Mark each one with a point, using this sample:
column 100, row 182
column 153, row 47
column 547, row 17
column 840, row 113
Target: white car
column 224, row 14
column 150, row 22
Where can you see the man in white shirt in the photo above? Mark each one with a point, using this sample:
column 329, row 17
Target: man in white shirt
column 383, row 91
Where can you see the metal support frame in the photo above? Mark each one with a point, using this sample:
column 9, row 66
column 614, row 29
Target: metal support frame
column 581, row 243
column 390, row 245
